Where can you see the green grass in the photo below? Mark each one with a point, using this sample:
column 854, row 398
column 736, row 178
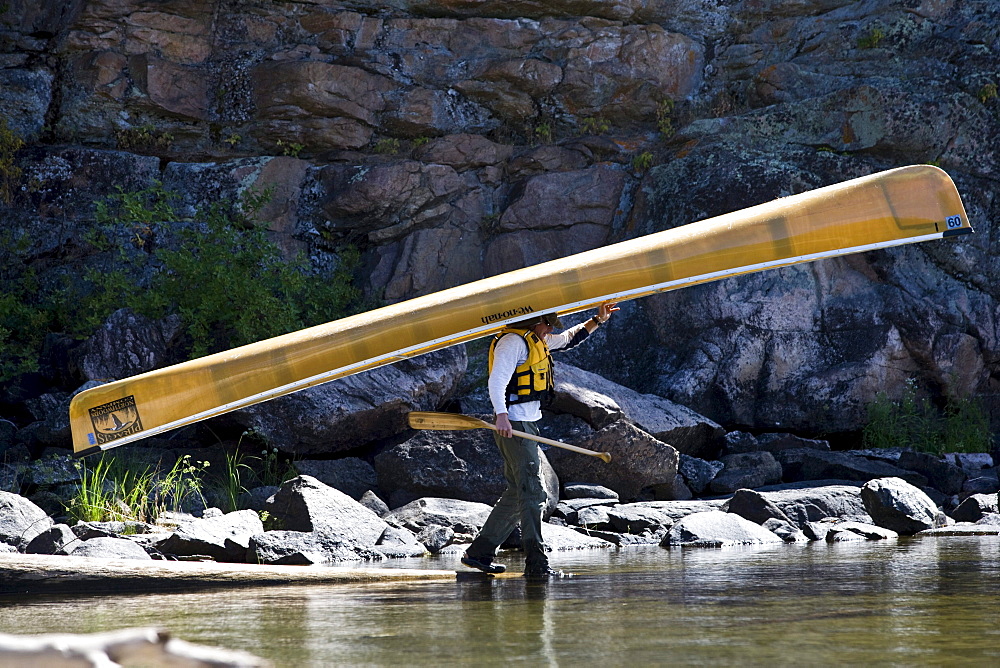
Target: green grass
column 916, row 423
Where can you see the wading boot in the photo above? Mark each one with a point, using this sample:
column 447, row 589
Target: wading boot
column 484, row 565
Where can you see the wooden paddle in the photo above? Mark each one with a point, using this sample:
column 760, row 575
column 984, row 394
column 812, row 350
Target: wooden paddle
column 456, row 422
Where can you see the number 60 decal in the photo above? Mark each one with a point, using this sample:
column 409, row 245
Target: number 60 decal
column 953, row 222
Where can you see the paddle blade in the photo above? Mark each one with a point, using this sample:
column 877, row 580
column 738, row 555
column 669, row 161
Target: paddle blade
column 444, row 421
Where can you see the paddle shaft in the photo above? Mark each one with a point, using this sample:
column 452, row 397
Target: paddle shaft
column 457, row 422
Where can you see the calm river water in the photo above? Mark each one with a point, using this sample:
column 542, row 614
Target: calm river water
column 911, row 602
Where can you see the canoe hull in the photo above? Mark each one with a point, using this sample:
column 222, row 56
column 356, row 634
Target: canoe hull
column 900, row 206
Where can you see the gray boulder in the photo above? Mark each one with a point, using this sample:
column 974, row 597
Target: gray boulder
column 351, row 475
column 897, row 505
column 223, row 538
column 435, row 538
column 698, row 473
column 602, row 402
column 59, row 539
column 809, row 464
column 638, row 460
column 399, row 543
column 125, row 345
column 818, row 500
column 739, row 442
column 717, row 529
column 20, row 520
column 746, row 470
column 840, row 532
column 941, row 475
column 348, row 412
column 560, row 539
column 986, row 482
column 639, row 518
column 463, row 465
column 372, row 502
column 465, row 518
column 305, row 504
column 975, row 507
column 578, row 490
column 755, row 507
column 111, row 548
column 302, row 548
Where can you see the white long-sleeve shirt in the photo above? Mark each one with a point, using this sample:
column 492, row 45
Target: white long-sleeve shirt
column 512, row 351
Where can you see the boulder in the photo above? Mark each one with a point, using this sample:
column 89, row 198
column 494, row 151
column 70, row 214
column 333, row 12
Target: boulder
column 223, row 538
column 809, row 464
column 755, row 507
column 639, row 518
column 738, row 442
column 560, row 539
column 400, row 543
column 601, row 402
column 698, row 473
column 305, row 504
column 58, row 539
column 127, row 344
column 465, row 518
column 463, row 465
column 941, row 475
column 302, row 548
column 111, row 548
column 637, row 461
column 840, row 532
column 818, row 500
column 576, row 490
column 351, row 475
column 346, row 413
column 372, row 502
column 746, row 470
column 986, row 482
column 435, row 538
column 975, row 507
column 21, row 520
column 897, row 505
column 717, row 529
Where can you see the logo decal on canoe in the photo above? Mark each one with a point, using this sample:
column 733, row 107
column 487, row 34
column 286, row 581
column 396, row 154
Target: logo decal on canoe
column 510, row 313
column 115, row 420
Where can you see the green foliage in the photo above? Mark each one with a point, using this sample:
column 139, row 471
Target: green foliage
column 987, row 92
column 111, row 490
column 420, row 141
column 387, row 146
column 290, row 148
column 872, row 38
column 10, row 173
column 963, row 425
column 664, row 117
column 594, row 126
column 226, row 279
column 642, row 161
column 271, row 470
column 543, row 133
column 144, row 138
column 221, row 273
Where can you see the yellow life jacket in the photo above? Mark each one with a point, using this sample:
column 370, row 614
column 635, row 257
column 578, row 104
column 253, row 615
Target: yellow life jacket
column 532, row 380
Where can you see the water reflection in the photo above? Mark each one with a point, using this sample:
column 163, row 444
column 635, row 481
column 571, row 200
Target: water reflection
column 905, row 602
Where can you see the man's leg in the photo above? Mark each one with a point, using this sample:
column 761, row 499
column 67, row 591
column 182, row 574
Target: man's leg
column 531, row 498
column 523, row 501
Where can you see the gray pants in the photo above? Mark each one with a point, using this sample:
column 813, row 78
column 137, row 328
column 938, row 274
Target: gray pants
column 522, row 501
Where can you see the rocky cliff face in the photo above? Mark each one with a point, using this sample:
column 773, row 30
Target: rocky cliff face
column 454, row 139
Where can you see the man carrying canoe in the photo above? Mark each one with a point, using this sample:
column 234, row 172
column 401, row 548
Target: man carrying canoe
column 520, row 380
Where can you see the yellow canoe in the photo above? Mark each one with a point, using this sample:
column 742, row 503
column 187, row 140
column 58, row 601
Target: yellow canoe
column 896, row 207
